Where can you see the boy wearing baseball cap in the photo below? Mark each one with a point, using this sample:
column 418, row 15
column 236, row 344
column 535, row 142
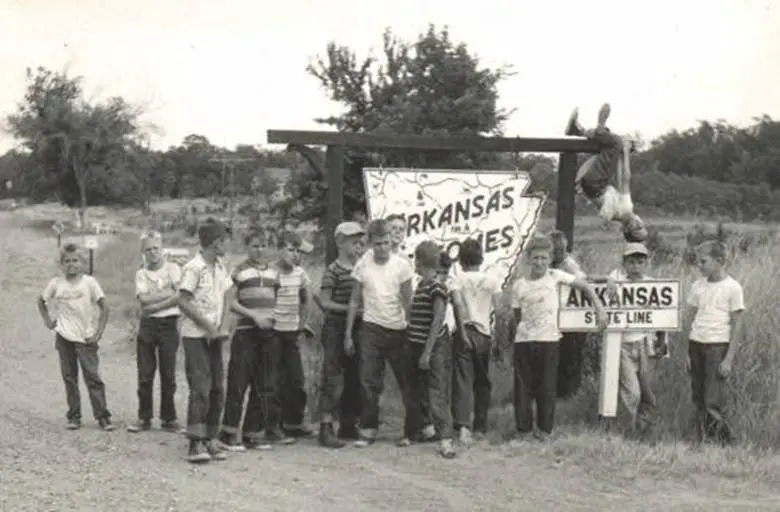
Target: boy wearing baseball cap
column 340, row 390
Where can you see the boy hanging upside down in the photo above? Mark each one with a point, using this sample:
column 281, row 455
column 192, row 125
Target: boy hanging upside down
column 594, row 178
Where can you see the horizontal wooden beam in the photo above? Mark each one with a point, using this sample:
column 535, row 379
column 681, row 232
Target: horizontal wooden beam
column 435, row 142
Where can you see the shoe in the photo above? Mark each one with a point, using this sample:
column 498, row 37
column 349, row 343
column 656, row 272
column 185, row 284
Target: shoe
column 541, row 436
column 252, row 443
column 403, row 442
column 73, row 425
column 230, row 443
column 171, row 426
column 214, row 450
column 364, row 442
column 139, row 426
column 277, row 436
column 105, row 424
column 464, row 436
column 446, row 449
column 198, row 453
column 348, row 431
column 298, row 432
column 328, row 437
column 429, row 434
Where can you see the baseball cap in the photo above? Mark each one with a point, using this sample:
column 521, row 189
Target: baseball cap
column 349, row 229
column 635, row 248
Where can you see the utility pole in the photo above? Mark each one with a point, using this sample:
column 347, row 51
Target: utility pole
column 229, row 163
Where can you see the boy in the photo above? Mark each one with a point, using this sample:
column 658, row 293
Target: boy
column 202, row 292
column 383, row 281
column 429, row 351
column 252, row 350
column 77, row 299
column 717, row 305
column 156, row 287
column 340, row 390
column 636, row 348
column 594, row 178
column 292, row 296
column 475, row 295
column 535, row 304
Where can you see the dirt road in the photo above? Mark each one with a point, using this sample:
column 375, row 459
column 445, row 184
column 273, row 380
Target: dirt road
column 44, row 467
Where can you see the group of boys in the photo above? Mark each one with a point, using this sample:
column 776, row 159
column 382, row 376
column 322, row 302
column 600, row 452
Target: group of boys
column 433, row 327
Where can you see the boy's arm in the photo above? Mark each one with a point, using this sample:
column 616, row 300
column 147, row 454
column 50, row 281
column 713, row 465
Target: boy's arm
column 48, row 321
column 325, row 300
column 406, row 297
column 597, row 305
column 103, row 320
column 188, row 309
column 737, row 307
column 354, row 302
column 224, row 321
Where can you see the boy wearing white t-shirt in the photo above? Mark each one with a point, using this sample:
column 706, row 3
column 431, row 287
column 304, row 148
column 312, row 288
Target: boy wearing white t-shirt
column 383, row 281
column 716, row 304
column 535, row 305
column 475, row 295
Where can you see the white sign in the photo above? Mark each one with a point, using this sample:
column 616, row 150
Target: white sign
column 639, row 305
column 91, row 242
column 448, row 206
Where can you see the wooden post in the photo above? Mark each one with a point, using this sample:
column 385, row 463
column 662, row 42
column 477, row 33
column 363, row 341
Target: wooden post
column 567, row 172
column 334, row 163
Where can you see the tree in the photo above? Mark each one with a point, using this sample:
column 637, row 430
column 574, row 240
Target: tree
column 75, row 141
column 429, row 86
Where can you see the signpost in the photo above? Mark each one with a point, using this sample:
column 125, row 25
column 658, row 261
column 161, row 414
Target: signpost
column 651, row 306
column 91, row 243
column 58, row 228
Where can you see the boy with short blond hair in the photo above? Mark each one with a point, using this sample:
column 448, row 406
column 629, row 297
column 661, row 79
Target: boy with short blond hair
column 716, row 306
column 535, row 301
column 81, row 317
column 156, row 288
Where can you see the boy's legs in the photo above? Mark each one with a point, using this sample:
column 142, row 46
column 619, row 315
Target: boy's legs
column 401, row 356
column 254, row 418
column 198, row 371
column 697, row 370
column 463, row 383
column 216, row 399
column 482, row 385
column 167, row 350
column 267, row 380
column 714, row 425
column 240, row 368
column 331, row 379
column 438, row 382
column 90, row 368
column 546, row 368
column 146, row 363
column 351, row 401
column 69, row 368
column 523, row 391
column 294, row 392
column 372, row 377
column 628, row 381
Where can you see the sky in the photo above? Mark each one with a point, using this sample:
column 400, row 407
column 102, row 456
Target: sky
column 230, row 70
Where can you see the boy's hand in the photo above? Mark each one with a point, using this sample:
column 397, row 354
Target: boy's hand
column 425, row 361
column 212, row 333
column 724, row 369
column 307, row 332
column 94, row 339
column 349, row 346
column 50, row 323
column 262, row 322
column 601, row 319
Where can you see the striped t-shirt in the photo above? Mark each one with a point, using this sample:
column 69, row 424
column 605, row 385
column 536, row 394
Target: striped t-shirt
column 289, row 289
column 338, row 279
column 256, row 290
column 421, row 315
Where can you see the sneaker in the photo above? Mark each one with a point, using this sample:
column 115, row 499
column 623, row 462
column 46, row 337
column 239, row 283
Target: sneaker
column 327, row 437
column 364, row 442
column 429, row 434
column 214, row 450
column 348, row 431
column 464, row 436
column 403, row 442
column 105, row 424
column 139, row 426
column 252, row 443
column 277, row 436
column 446, row 449
column 298, row 432
column 230, row 443
column 198, row 453
column 171, row 426
column 73, row 425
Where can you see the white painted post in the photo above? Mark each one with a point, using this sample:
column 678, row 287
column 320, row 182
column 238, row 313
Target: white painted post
column 610, row 373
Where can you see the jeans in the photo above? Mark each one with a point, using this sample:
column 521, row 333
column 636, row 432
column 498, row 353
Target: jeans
column 205, row 373
column 290, row 382
column 340, row 394
column 708, row 389
column 430, row 389
column 536, row 378
column 72, row 355
column 157, row 343
column 471, row 385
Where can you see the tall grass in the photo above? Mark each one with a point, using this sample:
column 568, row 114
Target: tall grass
column 754, row 385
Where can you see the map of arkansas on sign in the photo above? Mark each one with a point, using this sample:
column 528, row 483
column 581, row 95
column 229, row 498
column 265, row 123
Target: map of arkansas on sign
column 448, row 206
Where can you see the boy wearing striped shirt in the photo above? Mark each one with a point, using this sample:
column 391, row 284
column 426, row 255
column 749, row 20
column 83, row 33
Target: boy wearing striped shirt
column 430, row 349
column 340, row 388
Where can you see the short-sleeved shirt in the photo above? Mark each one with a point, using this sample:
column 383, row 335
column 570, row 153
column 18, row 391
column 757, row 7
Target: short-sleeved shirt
column 207, row 284
column 715, row 302
column 631, row 336
column 75, row 306
column 421, row 314
column 604, row 168
column 290, row 286
column 255, row 290
column 478, row 289
column 538, row 302
column 338, row 279
column 382, row 304
column 166, row 278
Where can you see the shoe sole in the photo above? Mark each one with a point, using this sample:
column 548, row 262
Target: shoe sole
column 199, row 459
column 72, row 427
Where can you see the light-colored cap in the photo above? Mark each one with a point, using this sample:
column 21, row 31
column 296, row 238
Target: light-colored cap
column 349, row 229
column 635, row 248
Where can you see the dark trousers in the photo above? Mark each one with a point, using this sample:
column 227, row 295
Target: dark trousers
column 570, row 364
column 157, row 343
column 205, row 373
column 290, row 380
column 536, row 377
column 430, row 389
column 708, row 390
column 340, row 394
column 471, row 385
column 72, row 355
column 252, row 355
column 379, row 345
